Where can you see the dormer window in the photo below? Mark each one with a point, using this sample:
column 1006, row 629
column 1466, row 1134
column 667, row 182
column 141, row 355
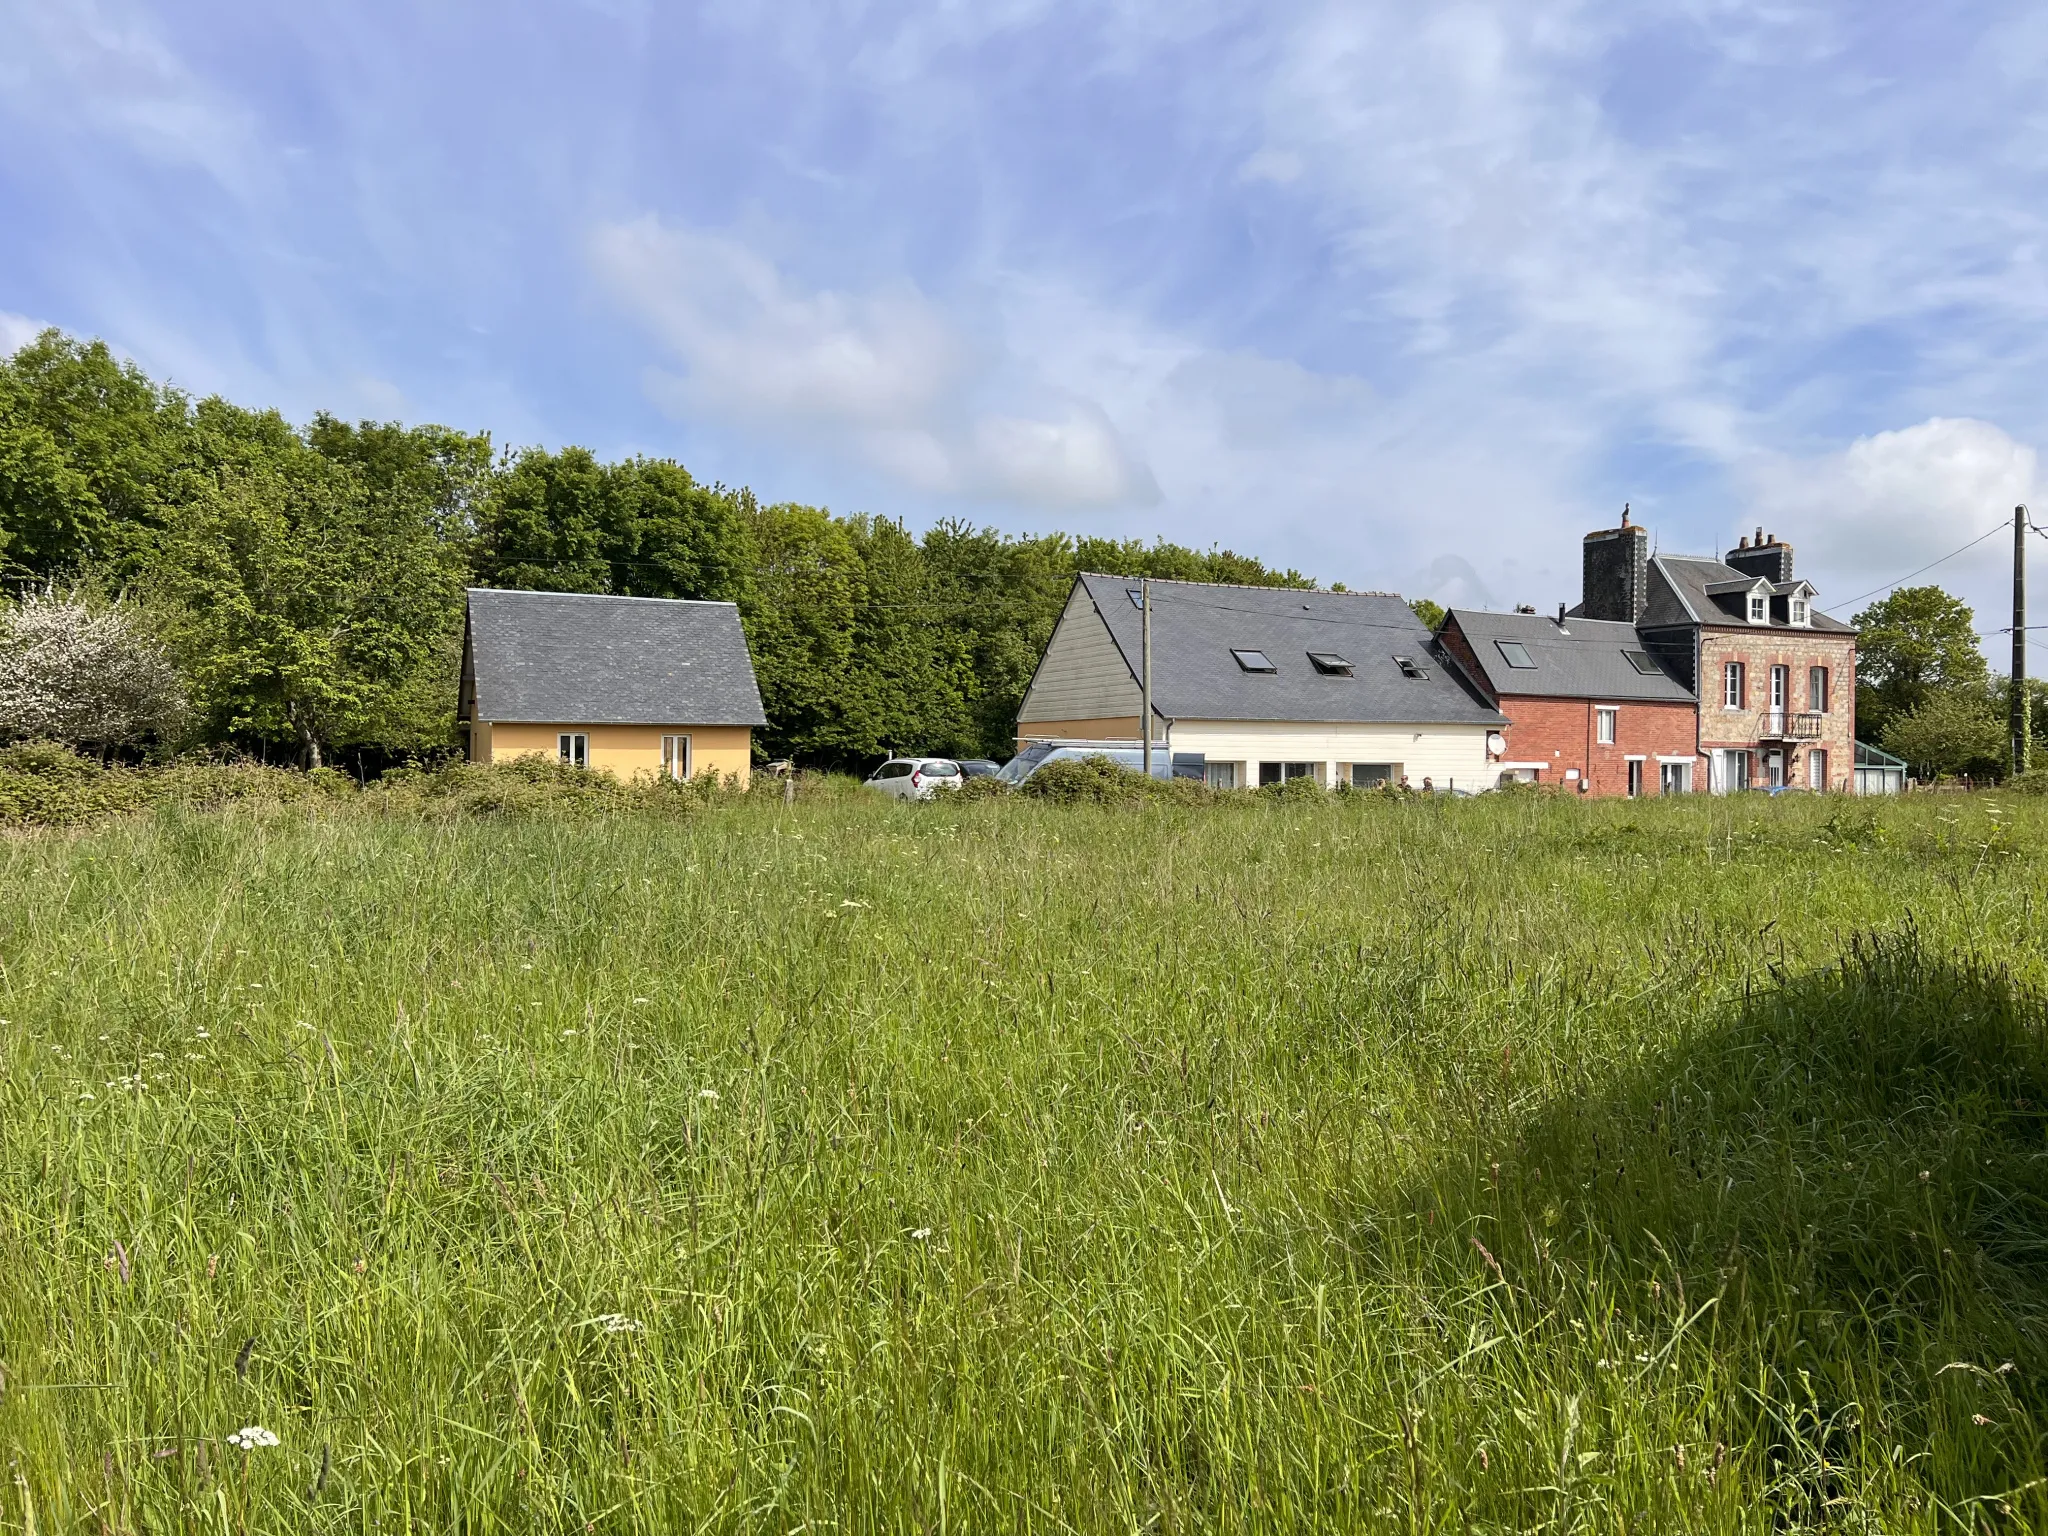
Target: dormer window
column 1797, row 608
column 1759, row 608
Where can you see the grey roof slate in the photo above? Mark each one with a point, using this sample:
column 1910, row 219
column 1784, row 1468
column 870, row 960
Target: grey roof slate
column 1679, row 595
column 1196, row 625
column 586, row 659
column 1582, row 660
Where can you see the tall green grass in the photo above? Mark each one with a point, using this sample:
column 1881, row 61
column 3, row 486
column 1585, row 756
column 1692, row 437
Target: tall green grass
column 1376, row 1164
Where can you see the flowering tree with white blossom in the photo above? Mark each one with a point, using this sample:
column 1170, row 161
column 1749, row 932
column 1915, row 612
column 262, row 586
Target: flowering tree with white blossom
column 85, row 672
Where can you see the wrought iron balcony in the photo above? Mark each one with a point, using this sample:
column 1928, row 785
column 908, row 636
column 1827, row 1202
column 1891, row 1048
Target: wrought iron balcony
column 1789, row 725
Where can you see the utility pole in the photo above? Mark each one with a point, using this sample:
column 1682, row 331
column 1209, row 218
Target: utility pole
column 2022, row 721
column 1145, row 706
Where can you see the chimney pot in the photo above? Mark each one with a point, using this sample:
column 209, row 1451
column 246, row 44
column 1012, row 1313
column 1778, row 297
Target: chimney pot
column 1743, row 542
column 1759, row 534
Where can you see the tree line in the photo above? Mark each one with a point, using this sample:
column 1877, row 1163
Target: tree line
column 305, row 585
column 1924, row 691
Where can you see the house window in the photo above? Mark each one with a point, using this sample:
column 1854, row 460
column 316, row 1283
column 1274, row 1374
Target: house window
column 574, row 747
column 1734, row 686
column 1280, row 773
column 1603, row 725
column 1409, row 667
column 1329, row 664
column 1781, row 688
column 1674, row 778
column 1799, row 611
column 1136, row 595
column 1816, row 768
column 675, row 757
column 1254, row 661
column 1373, row 775
column 1635, row 778
column 1643, row 662
column 1220, row 775
column 1515, row 654
column 1817, row 689
column 1759, row 608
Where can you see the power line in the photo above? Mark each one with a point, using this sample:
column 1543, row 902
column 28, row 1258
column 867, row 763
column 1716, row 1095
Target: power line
column 2000, row 527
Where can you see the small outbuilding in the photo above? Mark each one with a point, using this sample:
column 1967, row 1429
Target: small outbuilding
column 643, row 686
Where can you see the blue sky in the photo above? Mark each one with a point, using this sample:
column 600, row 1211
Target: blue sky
column 1408, row 296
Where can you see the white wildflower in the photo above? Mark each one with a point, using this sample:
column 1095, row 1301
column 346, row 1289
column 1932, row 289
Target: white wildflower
column 922, row 1233
column 197, row 1034
column 615, row 1322
column 567, row 1033
column 252, row 1437
column 86, row 1097
column 707, row 1093
column 133, row 1083
column 643, row 1001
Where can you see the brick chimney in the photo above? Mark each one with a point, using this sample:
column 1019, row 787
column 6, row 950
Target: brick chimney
column 1766, row 557
column 1616, row 582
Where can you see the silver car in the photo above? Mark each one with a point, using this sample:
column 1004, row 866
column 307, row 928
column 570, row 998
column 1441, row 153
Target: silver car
column 915, row 778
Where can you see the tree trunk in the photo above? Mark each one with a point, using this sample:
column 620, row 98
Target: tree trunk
column 309, row 744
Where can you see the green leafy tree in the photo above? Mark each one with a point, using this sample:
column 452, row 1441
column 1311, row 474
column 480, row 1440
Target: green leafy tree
column 310, row 612
column 807, row 590
column 1951, row 731
column 1917, row 642
column 544, row 526
column 90, row 452
column 1000, row 598
column 1429, row 611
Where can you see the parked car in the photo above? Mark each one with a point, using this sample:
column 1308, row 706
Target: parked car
column 979, row 768
column 1179, row 765
column 916, row 778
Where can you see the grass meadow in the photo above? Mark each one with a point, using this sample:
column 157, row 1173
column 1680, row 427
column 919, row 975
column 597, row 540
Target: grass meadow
column 1498, row 1165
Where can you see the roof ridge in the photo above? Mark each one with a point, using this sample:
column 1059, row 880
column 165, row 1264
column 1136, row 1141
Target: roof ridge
column 610, row 597
column 1236, row 586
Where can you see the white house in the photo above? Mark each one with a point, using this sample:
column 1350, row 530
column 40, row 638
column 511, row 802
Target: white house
column 1267, row 683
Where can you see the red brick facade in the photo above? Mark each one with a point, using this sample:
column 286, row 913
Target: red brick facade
column 1792, row 732
column 1563, row 735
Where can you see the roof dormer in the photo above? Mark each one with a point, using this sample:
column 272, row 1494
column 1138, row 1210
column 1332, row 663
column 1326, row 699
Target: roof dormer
column 1750, row 596
column 1798, row 600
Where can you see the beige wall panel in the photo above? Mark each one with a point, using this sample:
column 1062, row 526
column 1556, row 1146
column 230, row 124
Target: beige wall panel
column 1083, row 677
column 1113, row 728
column 628, row 751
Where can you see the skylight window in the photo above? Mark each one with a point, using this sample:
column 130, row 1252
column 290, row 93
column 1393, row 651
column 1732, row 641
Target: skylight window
column 1643, row 662
column 1254, row 661
column 1409, row 667
column 1329, row 663
column 1136, row 596
column 1516, row 654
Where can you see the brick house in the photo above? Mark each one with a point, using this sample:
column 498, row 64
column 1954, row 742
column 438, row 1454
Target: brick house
column 1774, row 677
column 1589, row 707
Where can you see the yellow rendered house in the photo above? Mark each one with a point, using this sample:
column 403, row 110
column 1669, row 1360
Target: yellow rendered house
column 643, row 686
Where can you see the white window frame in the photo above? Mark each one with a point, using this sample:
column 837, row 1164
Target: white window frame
column 1606, row 724
column 573, row 748
column 1735, row 685
column 1798, row 612
column 1759, row 608
column 1781, row 689
column 1818, row 699
column 1221, row 775
column 675, row 753
column 1637, row 773
column 1817, row 768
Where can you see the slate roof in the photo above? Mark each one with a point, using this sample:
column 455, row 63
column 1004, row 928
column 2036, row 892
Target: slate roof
column 1681, row 597
column 1196, row 626
column 582, row 659
column 1583, row 659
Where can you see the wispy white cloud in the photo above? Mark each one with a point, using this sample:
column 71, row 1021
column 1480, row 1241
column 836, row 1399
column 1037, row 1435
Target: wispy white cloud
column 887, row 373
